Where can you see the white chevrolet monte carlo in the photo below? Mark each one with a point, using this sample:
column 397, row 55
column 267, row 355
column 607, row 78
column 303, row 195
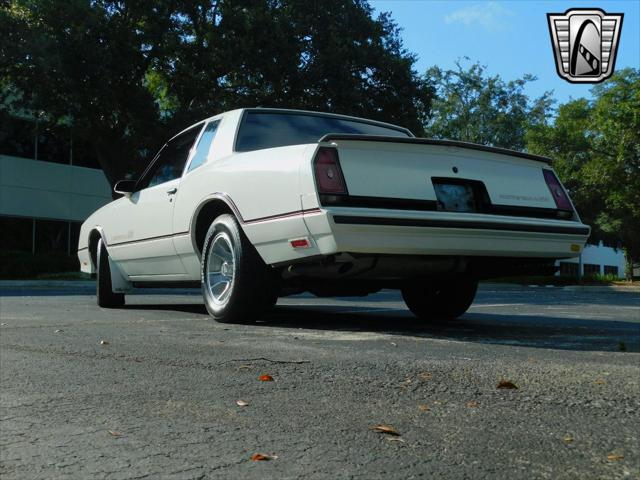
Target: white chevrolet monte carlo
column 258, row 203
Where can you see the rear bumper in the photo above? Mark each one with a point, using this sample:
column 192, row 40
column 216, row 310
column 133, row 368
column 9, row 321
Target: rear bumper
column 379, row 231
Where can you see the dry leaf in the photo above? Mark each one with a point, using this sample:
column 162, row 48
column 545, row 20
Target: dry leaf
column 472, row 404
column 612, row 457
column 385, row 429
column 58, row 331
column 114, row 433
column 245, row 366
column 257, row 457
column 568, row 439
column 104, row 342
column 423, row 407
column 425, row 376
column 266, row 378
column 600, row 381
column 407, row 382
column 506, row 384
column 242, row 403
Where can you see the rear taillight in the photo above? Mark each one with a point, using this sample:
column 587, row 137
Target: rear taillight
column 558, row 193
column 328, row 172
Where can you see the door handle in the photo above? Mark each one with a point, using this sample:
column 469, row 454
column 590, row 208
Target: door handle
column 172, row 191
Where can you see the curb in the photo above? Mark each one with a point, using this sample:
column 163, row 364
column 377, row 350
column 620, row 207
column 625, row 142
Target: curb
column 603, row 289
column 47, row 283
column 82, row 284
column 568, row 288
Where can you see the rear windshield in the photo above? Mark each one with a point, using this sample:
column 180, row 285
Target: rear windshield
column 271, row 129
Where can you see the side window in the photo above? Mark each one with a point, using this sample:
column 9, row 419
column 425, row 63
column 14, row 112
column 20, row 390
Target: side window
column 171, row 159
column 202, row 150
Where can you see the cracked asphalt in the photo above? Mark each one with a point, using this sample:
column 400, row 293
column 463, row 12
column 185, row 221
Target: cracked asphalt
column 157, row 399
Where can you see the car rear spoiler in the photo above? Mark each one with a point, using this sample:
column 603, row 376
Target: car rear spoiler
column 429, row 141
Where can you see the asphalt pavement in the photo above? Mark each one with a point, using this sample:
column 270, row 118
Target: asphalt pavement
column 152, row 390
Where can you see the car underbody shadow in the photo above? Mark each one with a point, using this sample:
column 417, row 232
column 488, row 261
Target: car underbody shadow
column 538, row 331
column 174, row 307
column 544, row 330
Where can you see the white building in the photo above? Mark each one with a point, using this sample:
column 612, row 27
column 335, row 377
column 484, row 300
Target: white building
column 43, row 197
column 595, row 259
column 42, row 204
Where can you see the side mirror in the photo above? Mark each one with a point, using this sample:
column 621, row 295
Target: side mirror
column 125, row 187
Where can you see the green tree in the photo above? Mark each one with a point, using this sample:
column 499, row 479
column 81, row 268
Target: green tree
column 595, row 145
column 128, row 74
column 472, row 106
column 84, row 64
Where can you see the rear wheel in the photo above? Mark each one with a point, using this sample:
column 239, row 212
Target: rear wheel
column 236, row 284
column 442, row 300
column 104, row 288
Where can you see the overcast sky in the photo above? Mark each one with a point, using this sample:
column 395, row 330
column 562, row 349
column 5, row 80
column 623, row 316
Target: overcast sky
column 510, row 37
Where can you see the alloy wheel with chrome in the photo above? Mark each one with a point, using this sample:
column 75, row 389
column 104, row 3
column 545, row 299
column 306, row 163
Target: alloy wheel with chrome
column 220, row 271
column 237, row 285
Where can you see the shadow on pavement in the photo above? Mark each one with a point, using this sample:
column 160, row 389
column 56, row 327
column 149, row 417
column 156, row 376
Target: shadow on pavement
column 523, row 330
column 174, row 307
column 538, row 331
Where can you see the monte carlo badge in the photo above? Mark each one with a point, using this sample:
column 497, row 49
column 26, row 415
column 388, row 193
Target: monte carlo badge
column 585, row 42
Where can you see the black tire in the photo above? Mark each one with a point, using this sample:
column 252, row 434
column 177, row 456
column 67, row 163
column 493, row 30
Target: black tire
column 104, row 289
column 440, row 301
column 253, row 286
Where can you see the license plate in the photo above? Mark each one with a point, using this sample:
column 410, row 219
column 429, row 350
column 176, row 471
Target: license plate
column 455, row 197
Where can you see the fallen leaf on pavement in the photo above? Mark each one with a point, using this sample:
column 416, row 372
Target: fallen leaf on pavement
column 423, row 407
column 568, row 439
column 600, row 381
column 425, row 376
column 246, row 365
column 266, row 378
column 506, row 384
column 395, row 439
column 385, row 429
column 613, row 457
column 472, row 404
column 58, row 331
column 257, row 457
column 104, row 342
column 242, row 403
column 114, row 433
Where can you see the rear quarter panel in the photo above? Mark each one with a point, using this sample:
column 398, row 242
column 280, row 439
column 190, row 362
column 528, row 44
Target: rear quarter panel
column 261, row 184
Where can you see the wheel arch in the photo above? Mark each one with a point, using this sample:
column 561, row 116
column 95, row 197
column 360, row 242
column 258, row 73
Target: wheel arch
column 95, row 234
column 206, row 212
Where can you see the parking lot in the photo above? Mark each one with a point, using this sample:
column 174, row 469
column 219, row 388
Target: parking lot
column 152, row 390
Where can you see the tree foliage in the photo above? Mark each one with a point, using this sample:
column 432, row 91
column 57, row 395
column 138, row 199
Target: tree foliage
column 128, row 74
column 471, row 106
column 596, row 150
